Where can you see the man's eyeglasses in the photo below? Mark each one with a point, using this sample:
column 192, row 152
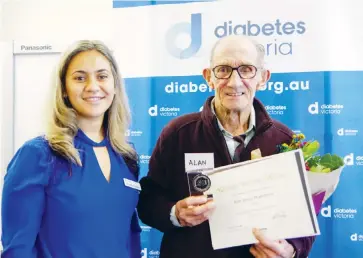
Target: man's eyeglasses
column 244, row 71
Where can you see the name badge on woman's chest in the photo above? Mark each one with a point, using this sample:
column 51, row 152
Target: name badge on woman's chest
column 132, row 184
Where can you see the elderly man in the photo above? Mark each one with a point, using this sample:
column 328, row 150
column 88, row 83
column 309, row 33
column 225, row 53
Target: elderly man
column 232, row 124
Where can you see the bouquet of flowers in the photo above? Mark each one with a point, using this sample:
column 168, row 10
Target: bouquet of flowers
column 323, row 171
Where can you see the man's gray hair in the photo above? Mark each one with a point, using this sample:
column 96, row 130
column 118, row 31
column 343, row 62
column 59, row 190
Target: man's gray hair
column 259, row 47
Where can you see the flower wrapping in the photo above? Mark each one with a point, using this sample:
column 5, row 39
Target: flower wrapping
column 323, row 171
column 324, row 182
column 318, row 199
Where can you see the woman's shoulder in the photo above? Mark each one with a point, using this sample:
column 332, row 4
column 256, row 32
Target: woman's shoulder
column 35, row 148
column 33, row 159
column 39, row 144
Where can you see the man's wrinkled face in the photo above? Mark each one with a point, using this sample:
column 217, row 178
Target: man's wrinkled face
column 235, row 75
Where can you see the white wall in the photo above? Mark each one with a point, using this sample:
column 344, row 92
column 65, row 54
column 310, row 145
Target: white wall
column 1, row 13
column 6, row 110
column 1, row 107
column 1, row 124
column 6, row 104
column 54, row 19
column 1, row 112
column 1, row 116
column 346, row 40
column 43, row 22
column 1, row 101
column 4, row 50
column 32, row 95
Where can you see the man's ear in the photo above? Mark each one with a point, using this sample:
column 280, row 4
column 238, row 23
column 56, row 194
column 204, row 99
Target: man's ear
column 207, row 74
column 265, row 77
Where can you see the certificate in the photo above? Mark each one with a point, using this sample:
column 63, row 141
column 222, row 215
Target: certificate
column 270, row 193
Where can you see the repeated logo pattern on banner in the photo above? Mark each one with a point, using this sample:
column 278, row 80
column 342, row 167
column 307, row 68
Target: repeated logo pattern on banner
column 309, row 91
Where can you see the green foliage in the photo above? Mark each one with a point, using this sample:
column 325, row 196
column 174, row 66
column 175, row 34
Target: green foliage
column 313, row 161
column 310, row 148
column 331, row 161
column 320, row 168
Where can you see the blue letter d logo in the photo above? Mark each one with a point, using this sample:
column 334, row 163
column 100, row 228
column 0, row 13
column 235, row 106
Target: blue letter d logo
column 195, row 31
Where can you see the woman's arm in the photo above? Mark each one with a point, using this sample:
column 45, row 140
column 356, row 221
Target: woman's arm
column 23, row 200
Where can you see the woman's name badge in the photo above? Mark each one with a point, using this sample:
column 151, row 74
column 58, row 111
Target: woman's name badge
column 132, row 184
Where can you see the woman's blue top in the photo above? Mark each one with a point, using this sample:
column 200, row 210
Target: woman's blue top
column 48, row 212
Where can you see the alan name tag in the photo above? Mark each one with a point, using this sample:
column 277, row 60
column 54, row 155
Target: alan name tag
column 198, row 161
column 195, row 164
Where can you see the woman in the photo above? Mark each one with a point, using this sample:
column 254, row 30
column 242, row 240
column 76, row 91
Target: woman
column 73, row 192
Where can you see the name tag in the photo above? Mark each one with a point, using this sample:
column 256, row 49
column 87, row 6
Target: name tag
column 198, row 161
column 132, row 184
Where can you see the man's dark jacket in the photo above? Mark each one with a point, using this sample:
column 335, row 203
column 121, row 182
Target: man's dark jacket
column 166, row 182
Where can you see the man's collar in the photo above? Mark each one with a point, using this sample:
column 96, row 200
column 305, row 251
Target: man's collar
column 252, row 119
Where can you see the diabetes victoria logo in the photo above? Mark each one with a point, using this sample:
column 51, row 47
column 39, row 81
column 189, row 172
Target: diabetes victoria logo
column 163, row 111
column 129, row 133
column 271, row 30
column 347, row 132
column 352, row 159
column 149, row 254
column 193, row 29
column 325, row 109
column 356, row 237
column 275, row 110
column 338, row 213
column 144, row 158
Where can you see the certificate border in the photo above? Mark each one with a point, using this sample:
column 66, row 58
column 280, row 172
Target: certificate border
column 301, row 171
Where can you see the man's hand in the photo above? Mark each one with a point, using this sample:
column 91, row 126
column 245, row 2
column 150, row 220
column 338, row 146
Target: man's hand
column 267, row 248
column 193, row 210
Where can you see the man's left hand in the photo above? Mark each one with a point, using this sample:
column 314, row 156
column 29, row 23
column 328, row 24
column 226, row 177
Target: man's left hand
column 268, row 248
